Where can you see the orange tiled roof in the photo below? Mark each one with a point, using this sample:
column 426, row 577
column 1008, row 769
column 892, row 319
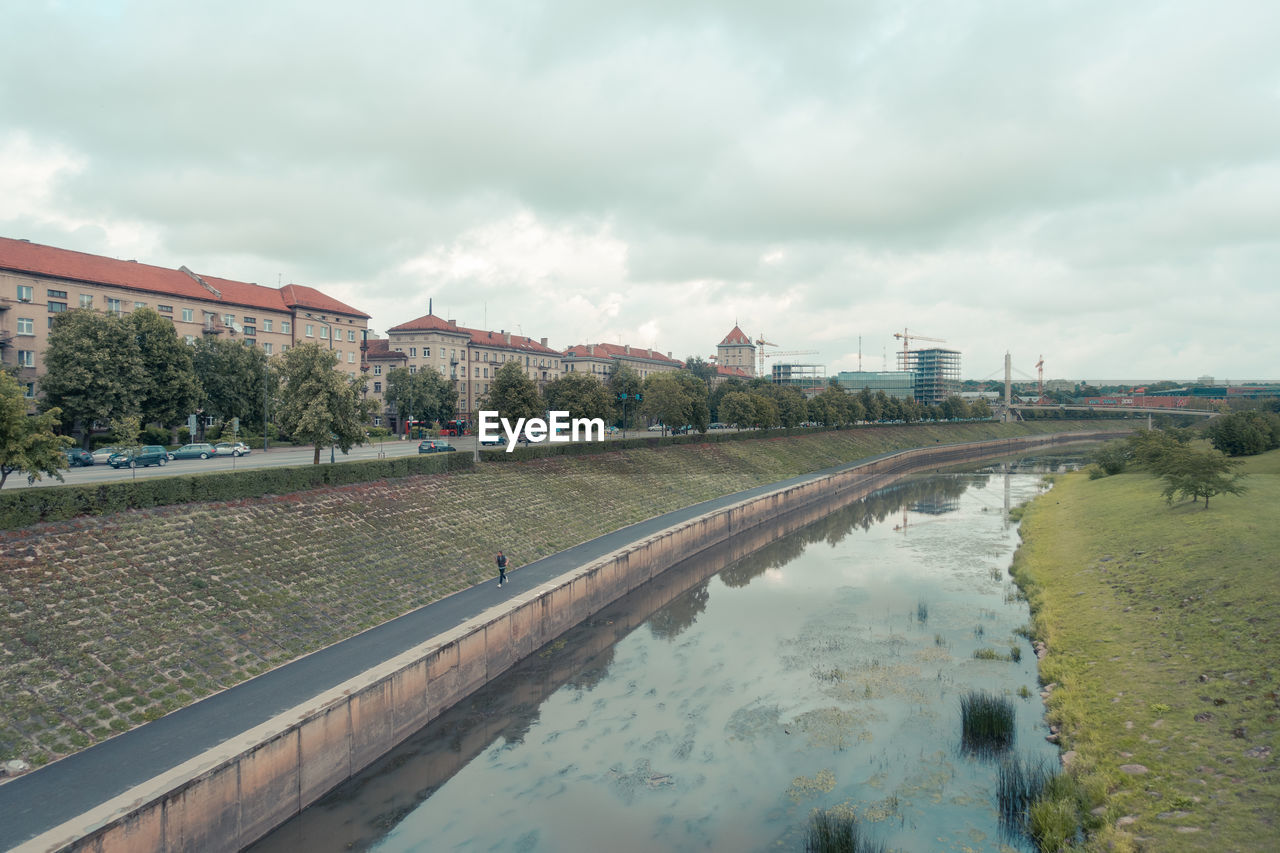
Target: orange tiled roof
column 736, row 338
column 27, row 257
column 479, row 337
column 727, row 371
column 607, row 351
column 380, row 350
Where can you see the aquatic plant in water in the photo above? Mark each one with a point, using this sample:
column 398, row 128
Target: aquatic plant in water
column 832, row 833
column 986, row 722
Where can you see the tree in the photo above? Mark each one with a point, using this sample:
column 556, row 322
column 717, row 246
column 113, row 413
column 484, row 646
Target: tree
column 231, row 376
column 738, row 409
column 28, row 442
column 514, row 395
column 767, row 415
column 169, row 389
column 94, row 369
column 1246, row 433
column 790, row 403
column 422, row 396
column 733, row 385
column 701, row 368
column 317, row 404
column 981, row 409
column 625, row 381
column 581, row 395
column 667, row 400
column 1200, row 474
column 698, row 414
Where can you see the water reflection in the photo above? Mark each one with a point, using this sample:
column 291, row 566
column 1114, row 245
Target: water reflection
column 821, row 670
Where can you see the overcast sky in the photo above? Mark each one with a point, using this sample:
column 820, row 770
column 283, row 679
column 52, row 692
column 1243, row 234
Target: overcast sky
column 1094, row 182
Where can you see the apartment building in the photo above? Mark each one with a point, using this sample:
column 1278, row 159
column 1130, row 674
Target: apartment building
column 471, row 358
column 601, row 360
column 39, row 282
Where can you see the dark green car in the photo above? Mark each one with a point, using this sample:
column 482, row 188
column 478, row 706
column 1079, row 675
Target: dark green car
column 200, row 450
column 149, row 454
column 432, row 445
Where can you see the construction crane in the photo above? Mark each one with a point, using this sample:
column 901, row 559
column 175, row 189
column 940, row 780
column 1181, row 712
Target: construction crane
column 906, row 337
column 762, row 343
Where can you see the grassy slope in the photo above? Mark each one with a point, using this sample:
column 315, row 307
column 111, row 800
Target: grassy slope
column 108, row 622
column 1161, row 623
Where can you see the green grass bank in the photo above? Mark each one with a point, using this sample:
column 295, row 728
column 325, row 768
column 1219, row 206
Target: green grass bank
column 1161, row 624
column 108, row 621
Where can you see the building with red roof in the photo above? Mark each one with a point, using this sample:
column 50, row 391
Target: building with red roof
column 39, row 282
column 470, row 358
column 737, row 350
column 601, row 360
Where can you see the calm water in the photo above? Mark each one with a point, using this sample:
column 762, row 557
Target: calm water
column 823, row 671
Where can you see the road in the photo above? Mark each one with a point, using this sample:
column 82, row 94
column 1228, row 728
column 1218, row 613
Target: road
column 273, row 457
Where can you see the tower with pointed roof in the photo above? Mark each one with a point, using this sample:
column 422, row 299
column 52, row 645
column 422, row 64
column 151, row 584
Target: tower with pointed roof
column 737, row 350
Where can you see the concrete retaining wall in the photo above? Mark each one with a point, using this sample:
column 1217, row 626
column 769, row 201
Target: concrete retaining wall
column 231, row 796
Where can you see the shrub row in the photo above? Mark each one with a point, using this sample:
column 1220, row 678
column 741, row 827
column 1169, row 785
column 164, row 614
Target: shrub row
column 23, row 507
column 542, row 451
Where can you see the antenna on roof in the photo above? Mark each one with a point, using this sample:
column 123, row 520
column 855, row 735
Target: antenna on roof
column 429, row 311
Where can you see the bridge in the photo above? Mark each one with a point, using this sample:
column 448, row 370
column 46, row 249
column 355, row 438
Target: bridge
column 1072, row 407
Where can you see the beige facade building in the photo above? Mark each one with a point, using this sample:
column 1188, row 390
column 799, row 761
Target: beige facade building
column 737, row 350
column 39, row 282
column 471, row 358
column 601, row 360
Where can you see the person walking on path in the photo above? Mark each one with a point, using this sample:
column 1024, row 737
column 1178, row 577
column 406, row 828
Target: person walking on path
column 502, row 568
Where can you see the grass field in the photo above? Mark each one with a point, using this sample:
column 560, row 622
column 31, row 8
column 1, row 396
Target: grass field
column 1162, row 625
column 108, row 622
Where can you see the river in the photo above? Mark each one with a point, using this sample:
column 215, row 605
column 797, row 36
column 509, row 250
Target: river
column 822, row 671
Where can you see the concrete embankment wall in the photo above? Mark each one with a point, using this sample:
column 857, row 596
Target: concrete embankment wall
column 234, row 794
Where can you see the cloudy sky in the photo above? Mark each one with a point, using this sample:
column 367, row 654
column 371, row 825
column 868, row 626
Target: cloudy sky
column 1094, row 182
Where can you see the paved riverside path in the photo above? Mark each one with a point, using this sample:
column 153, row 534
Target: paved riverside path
column 41, row 800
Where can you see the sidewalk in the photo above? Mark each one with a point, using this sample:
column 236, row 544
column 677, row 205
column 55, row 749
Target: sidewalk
column 45, row 798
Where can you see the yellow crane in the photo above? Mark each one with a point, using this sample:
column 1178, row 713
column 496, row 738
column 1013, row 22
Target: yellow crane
column 762, row 343
column 906, row 337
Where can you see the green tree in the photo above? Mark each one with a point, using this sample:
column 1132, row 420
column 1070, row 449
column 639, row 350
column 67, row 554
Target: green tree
column 1200, row 474
column 737, row 408
column 767, row 415
column 698, row 414
column 318, row 405
column 581, row 395
column 232, row 375
column 169, row 389
column 625, row 381
column 732, row 385
column 981, row 409
column 701, row 368
column 667, row 400
column 124, row 432
column 93, row 369
column 514, row 395
column 28, row 442
column 1245, row 433
column 423, row 396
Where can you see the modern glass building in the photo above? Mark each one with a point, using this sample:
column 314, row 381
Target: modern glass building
column 936, row 373
column 894, row 383
column 809, row 378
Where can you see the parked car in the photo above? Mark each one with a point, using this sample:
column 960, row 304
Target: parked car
column 201, row 450
column 655, row 428
column 77, row 457
column 432, row 445
column 103, row 454
column 494, row 439
column 718, row 425
column 231, row 448
column 148, row 454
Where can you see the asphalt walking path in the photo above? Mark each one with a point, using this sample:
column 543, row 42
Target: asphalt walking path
column 41, row 800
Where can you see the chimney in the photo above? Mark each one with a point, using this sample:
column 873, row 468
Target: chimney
column 668, row 353
column 544, row 341
column 506, row 336
column 453, row 323
column 591, row 349
column 626, row 349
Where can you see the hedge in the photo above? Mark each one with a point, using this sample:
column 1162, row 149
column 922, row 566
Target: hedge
column 24, row 507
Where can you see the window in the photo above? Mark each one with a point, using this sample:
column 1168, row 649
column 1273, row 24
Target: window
column 138, row 305
column 486, row 373
column 286, row 327
column 86, row 300
column 311, row 331
column 377, row 370
column 266, row 348
column 188, row 315
column 266, row 325
column 57, row 307
column 377, row 387
column 426, row 352
column 165, row 309
column 228, row 319
column 29, row 390
column 413, row 368
column 377, row 420
column 250, row 330
column 251, row 321
column 113, row 306
column 351, row 358
column 26, row 358
column 26, row 326
column 56, row 294
column 324, row 333
column 477, row 370
column 26, row 293
column 413, row 352
column 284, row 348
column 351, row 335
